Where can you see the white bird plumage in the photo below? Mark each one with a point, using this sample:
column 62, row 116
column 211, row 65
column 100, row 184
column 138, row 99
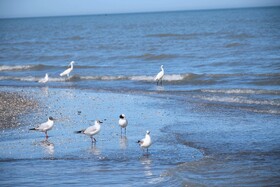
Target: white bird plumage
column 123, row 122
column 92, row 130
column 45, row 127
column 160, row 75
column 145, row 142
column 45, row 79
column 68, row 71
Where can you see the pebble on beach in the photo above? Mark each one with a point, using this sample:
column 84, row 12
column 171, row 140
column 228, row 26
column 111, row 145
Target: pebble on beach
column 13, row 105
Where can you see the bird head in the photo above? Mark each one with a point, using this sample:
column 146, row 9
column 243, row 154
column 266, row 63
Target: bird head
column 98, row 122
column 148, row 132
column 122, row 116
column 51, row 118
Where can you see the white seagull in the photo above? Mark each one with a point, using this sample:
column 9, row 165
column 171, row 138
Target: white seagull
column 123, row 122
column 145, row 142
column 45, row 127
column 67, row 72
column 160, row 75
column 45, row 79
column 92, row 130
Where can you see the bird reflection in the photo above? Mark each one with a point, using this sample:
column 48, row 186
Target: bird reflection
column 159, row 88
column 95, row 150
column 123, row 142
column 49, row 146
column 45, row 91
column 147, row 162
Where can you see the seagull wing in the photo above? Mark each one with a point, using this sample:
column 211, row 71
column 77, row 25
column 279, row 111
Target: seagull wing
column 43, row 126
column 90, row 129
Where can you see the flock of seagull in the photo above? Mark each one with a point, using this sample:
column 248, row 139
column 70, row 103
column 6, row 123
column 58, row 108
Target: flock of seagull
column 144, row 143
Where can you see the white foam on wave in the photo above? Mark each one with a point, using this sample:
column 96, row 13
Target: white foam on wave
column 16, row 67
column 240, row 100
column 242, row 91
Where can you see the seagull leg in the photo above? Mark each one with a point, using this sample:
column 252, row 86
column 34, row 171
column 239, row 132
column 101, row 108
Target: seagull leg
column 125, row 130
column 46, row 133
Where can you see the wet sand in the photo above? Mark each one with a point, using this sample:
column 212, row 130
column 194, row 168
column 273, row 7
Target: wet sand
column 13, row 105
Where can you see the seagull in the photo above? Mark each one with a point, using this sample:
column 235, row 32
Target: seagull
column 145, row 142
column 92, row 130
column 67, row 72
column 123, row 122
column 160, row 75
column 45, row 79
column 44, row 127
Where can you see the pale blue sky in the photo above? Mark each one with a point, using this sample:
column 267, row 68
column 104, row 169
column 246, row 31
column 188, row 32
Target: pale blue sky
column 35, row 8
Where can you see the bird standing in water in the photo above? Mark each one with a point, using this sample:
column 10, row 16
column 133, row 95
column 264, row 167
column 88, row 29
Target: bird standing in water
column 45, row 127
column 146, row 142
column 160, row 75
column 68, row 71
column 123, row 122
column 92, row 130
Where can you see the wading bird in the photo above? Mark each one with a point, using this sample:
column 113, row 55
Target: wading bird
column 123, row 123
column 146, row 142
column 45, row 127
column 92, row 130
column 160, row 75
column 68, row 71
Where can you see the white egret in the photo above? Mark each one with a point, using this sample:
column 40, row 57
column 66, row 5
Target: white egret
column 160, row 75
column 68, row 71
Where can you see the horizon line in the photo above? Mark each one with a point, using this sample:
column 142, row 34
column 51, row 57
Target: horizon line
column 141, row 12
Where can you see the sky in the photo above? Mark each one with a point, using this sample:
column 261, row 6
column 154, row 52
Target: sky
column 39, row 8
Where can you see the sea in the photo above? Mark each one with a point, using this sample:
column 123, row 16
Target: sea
column 215, row 117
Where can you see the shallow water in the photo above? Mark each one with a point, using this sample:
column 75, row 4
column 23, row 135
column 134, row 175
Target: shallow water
column 214, row 121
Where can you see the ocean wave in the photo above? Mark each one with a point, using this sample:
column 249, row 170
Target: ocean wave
column 179, row 36
column 40, row 67
column 171, row 79
column 14, row 68
column 24, row 67
column 240, row 100
column 242, row 91
column 74, row 38
column 149, row 56
column 235, row 44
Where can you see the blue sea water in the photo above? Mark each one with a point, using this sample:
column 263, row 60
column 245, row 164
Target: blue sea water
column 221, row 86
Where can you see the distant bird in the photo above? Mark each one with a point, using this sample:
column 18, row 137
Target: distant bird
column 45, row 79
column 67, row 72
column 45, row 127
column 145, row 142
column 123, row 122
column 92, row 130
column 160, row 75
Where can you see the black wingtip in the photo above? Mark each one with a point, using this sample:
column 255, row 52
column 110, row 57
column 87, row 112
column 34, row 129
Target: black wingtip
column 78, row 132
column 32, row 129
